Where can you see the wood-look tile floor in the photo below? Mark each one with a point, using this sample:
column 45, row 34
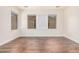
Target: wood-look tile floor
column 40, row 45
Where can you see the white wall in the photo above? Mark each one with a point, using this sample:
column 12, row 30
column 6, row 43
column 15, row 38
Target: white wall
column 71, row 23
column 69, row 26
column 6, row 34
column 42, row 30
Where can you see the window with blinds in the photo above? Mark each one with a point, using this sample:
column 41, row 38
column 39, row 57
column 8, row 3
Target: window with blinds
column 52, row 22
column 13, row 21
column 31, row 22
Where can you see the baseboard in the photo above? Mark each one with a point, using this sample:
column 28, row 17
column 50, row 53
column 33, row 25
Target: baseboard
column 5, row 42
column 71, row 39
column 41, row 35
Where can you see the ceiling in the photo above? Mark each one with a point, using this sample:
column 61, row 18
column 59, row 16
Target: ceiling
column 39, row 7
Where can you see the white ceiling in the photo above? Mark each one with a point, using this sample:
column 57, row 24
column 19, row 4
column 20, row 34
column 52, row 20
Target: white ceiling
column 39, row 7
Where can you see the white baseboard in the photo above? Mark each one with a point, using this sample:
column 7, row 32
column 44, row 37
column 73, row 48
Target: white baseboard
column 71, row 38
column 42, row 35
column 6, row 41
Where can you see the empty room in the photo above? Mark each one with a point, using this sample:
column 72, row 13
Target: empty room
column 39, row 29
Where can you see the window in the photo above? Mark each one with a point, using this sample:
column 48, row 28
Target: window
column 13, row 21
column 31, row 22
column 52, row 22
